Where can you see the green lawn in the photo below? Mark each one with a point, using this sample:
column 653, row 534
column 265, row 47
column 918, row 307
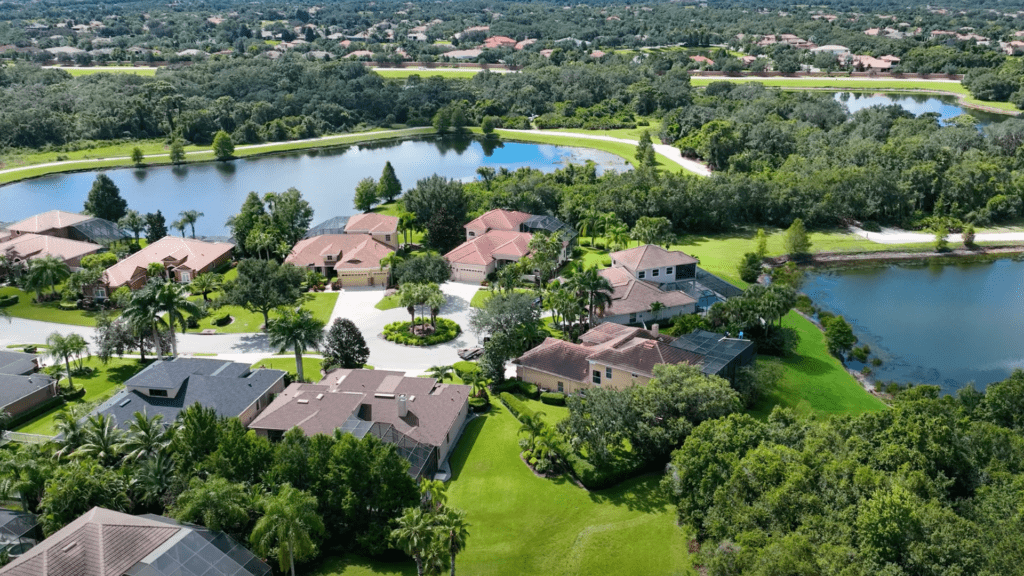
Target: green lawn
column 101, row 385
column 388, row 302
column 310, row 366
column 484, row 294
column 522, row 524
column 48, row 311
column 625, row 151
column 119, row 70
column 322, row 304
column 442, row 72
column 629, row 133
column 814, row 382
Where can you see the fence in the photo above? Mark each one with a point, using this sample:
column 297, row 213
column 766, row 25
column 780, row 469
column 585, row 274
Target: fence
column 25, row 438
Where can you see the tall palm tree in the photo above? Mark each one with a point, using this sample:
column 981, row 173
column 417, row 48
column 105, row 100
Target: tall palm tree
column 589, row 224
column 432, row 495
column 406, row 224
column 134, row 222
column 172, row 300
column 392, row 260
column 189, row 217
column 656, row 308
column 414, row 535
column 439, row 373
column 25, row 472
column 102, row 440
column 147, row 437
column 152, row 478
column 288, row 527
column 68, row 425
column 618, row 236
column 606, row 221
column 62, row 348
column 180, row 226
column 454, row 531
column 206, row 283
column 144, row 310
column 594, row 289
column 298, row 331
column 532, row 424
column 46, row 272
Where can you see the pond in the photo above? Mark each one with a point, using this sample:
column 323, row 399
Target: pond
column 946, row 325
column 945, row 106
column 326, row 177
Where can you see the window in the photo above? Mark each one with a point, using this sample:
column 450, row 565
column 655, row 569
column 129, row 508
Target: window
column 158, row 393
column 387, row 237
column 597, row 377
column 186, row 277
column 328, row 258
column 642, row 275
column 608, row 372
column 561, row 387
column 100, row 292
column 655, row 273
column 668, row 271
column 632, row 318
column 471, row 234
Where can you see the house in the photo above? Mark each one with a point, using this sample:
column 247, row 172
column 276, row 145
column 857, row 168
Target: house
column 19, row 531
column 183, row 260
column 167, row 387
column 357, row 54
column 834, row 49
column 103, row 542
column 655, row 264
column 632, row 300
column 22, row 387
column 498, row 237
column 354, row 258
column 26, row 247
column 62, row 224
column 499, row 42
column 419, row 415
column 67, row 51
column 464, row 54
column 382, row 227
column 616, row 356
column 702, row 60
column 863, row 62
column 525, row 43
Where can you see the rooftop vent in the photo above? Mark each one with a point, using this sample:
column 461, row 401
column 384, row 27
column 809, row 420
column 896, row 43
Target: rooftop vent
column 383, row 395
column 319, row 396
column 303, row 401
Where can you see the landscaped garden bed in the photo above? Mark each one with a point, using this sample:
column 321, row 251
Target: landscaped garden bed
column 425, row 334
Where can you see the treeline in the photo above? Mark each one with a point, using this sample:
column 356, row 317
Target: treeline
column 931, row 486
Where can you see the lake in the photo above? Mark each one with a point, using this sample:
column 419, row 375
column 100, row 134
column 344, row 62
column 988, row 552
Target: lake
column 945, row 325
column 945, row 106
column 326, row 177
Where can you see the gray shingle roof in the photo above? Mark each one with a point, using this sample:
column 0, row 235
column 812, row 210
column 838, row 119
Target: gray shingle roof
column 17, row 363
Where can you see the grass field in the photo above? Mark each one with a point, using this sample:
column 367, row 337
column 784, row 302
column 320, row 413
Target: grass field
column 101, row 385
column 625, row 151
column 814, row 382
column 310, row 366
column 321, row 304
column 388, row 303
column 111, row 70
column 522, row 524
column 879, row 84
column 442, row 72
column 48, row 311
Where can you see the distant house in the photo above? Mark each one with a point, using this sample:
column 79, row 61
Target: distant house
column 382, row 227
column 103, row 542
column 702, row 60
column 472, row 54
column 499, row 237
column 70, row 51
column 834, row 49
column 22, row 387
column 617, row 357
column 420, row 416
column 183, row 260
column 499, row 42
column 27, row 247
column 68, row 225
column 353, row 258
column 167, row 387
column 359, row 54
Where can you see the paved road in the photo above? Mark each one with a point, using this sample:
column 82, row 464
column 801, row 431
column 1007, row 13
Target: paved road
column 354, row 304
column 843, row 78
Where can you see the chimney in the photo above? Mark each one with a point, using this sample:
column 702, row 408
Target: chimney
column 654, row 330
column 403, row 410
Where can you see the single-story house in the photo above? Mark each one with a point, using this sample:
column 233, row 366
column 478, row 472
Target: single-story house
column 471, row 54
column 22, row 387
column 616, row 356
column 68, row 225
column 421, row 416
column 354, row 258
column 382, row 227
column 25, row 247
column 65, row 51
column 499, row 237
column 103, row 542
column 183, row 260
column 167, row 387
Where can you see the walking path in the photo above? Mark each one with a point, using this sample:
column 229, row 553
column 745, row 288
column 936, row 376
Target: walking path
column 670, row 152
column 897, row 236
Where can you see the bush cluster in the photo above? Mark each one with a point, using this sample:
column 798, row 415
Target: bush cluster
column 9, row 300
column 553, row 398
column 479, row 404
column 398, row 332
column 223, row 320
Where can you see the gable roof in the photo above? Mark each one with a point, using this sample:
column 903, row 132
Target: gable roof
column 630, row 295
column 48, row 221
column 372, row 223
column 197, row 255
column 484, row 249
column 30, row 246
column 17, row 363
column 349, row 251
column 498, row 219
column 650, row 256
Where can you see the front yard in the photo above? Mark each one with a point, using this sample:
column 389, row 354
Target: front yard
column 48, row 311
column 321, row 305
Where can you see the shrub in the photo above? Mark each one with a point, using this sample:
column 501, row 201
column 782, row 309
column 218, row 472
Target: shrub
column 66, row 305
column 398, row 332
column 465, row 368
column 876, row 362
column 750, row 267
column 223, row 320
column 9, row 300
column 517, row 407
column 871, row 226
column 804, row 304
column 479, row 404
column 529, row 390
column 553, row 398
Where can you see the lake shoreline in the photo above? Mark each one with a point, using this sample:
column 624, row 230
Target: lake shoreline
column 826, row 260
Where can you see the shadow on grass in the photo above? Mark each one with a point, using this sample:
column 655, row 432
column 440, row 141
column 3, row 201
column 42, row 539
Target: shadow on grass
column 808, row 365
column 640, row 494
column 355, row 564
column 121, row 374
column 457, row 460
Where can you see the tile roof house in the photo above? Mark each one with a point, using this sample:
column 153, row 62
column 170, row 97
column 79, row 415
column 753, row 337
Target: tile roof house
column 424, row 418
column 632, row 300
column 30, row 246
column 103, row 542
column 68, row 225
column 616, row 356
column 167, row 387
column 22, row 387
column 382, row 227
column 656, row 264
column 498, row 237
column 183, row 258
column 354, row 258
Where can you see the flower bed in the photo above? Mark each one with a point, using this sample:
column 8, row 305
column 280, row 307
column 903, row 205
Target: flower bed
column 399, row 332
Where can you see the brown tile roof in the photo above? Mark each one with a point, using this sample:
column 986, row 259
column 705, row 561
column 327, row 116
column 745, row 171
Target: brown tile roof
column 558, row 357
column 372, row 224
column 498, row 219
column 196, row 255
column 350, row 252
column 48, row 221
column 99, row 543
column 30, row 246
column 433, row 408
column 639, row 355
column 484, row 249
column 650, row 256
column 499, row 41
column 630, row 295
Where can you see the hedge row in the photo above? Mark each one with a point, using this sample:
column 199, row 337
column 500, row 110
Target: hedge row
column 479, row 404
column 553, row 398
column 398, row 332
column 9, row 300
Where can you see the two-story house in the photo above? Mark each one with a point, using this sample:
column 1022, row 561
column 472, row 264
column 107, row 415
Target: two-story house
column 183, row 259
column 643, row 276
column 499, row 237
column 354, row 258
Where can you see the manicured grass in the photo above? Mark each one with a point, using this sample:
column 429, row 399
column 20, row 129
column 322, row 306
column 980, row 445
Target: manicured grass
column 876, row 84
column 388, row 302
column 322, row 304
column 483, row 295
column 624, row 151
column 310, row 366
column 442, row 72
column 522, row 524
column 629, row 133
column 48, row 311
column 111, row 70
column 814, row 381
column 102, row 384
column 552, row 414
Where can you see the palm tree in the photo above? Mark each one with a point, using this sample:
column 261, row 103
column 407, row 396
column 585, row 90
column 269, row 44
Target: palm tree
column 439, row 373
column 189, row 217
column 152, row 478
column 25, row 472
column 392, row 260
column 618, row 236
column 63, row 348
column 656, row 308
column 171, row 299
column 296, row 330
column 589, row 224
column 147, row 437
column 206, row 283
column 453, row 531
column 414, row 535
column 288, row 527
column 70, row 431
column 406, row 224
column 594, row 289
column 102, row 439
column 144, row 310
column 180, row 226
column 46, row 272
column 134, row 222
column 432, row 495
column 606, row 221
column 532, row 424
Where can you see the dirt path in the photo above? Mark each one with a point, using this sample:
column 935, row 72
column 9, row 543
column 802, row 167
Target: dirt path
column 897, row 236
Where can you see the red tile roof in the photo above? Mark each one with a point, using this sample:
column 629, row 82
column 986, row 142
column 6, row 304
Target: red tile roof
column 372, row 223
column 32, row 246
column 651, row 256
column 196, row 255
column 496, row 244
column 498, row 219
column 630, row 295
column 48, row 221
column 349, row 251
column 499, row 41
